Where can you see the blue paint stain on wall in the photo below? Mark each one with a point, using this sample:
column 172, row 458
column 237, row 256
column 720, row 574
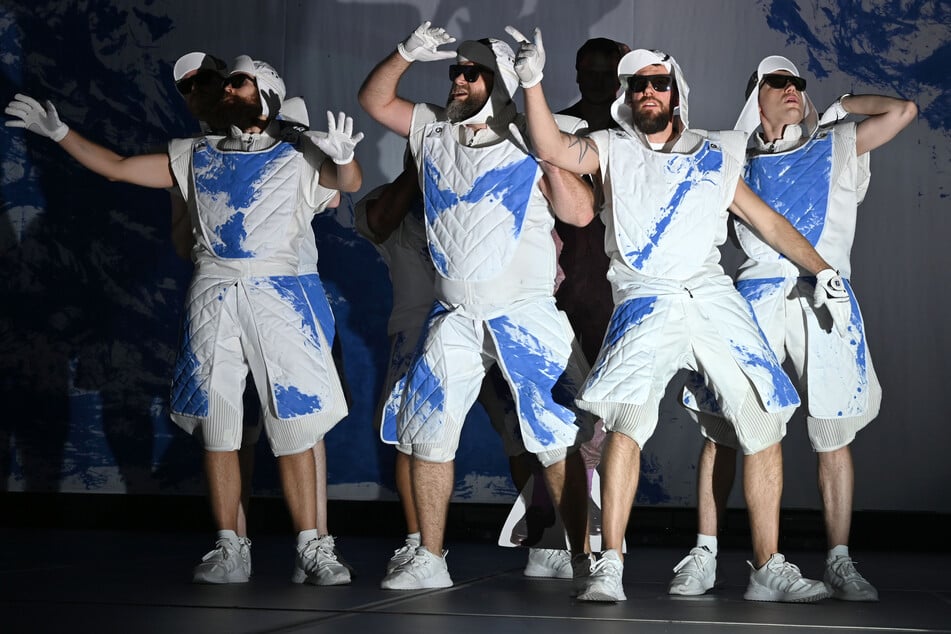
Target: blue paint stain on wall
column 870, row 41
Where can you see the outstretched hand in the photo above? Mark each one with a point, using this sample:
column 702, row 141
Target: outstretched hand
column 422, row 44
column 530, row 57
column 339, row 141
column 29, row 114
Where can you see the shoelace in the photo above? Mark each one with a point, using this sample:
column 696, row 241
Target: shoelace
column 789, row 571
column 845, row 568
column 697, row 558
column 220, row 551
column 405, row 549
column 601, row 563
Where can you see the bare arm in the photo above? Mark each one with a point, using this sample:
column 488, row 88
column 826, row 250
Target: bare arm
column 147, row 170
column 386, row 213
column 346, row 178
column 378, row 95
column 570, row 197
column 775, row 230
column 570, row 152
column 886, row 117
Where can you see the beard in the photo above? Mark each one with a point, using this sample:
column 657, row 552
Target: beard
column 202, row 102
column 234, row 111
column 461, row 109
column 650, row 121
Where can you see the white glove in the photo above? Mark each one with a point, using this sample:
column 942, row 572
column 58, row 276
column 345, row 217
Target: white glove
column 835, row 112
column 831, row 293
column 339, row 141
column 32, row 116
column 422, row 43
column 530, row 58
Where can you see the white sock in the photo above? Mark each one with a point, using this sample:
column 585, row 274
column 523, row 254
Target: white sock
column 707, row 541
column 229, row 535
column 305, row 536
column 838, row 551
column 416, row 538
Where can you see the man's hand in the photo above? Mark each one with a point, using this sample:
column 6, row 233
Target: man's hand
column 339, row 141
column 530, row 58
column 32, row 116
column 422, row 44
column 831, row 293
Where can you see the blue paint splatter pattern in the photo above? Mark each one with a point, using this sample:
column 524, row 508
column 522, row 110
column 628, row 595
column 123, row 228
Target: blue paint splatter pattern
column 235, row 207
column 474, row 216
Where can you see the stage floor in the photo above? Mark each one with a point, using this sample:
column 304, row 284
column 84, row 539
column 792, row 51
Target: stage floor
column 139, row 582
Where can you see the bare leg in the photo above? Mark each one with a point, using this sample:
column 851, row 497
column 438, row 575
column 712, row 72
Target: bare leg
column 432, row 488
column 763, row 487
column 404, row 486
column 299, row 482
column 716, row 470
column 246, row 466
column 320, row 473
column 568, row 486
column 837, row 484
column 224, row 487
column 620, row 470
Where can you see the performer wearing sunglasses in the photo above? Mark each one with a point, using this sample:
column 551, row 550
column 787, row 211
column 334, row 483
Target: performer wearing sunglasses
column 489, row 217
column 200, row 79
column 667, row 190
column 248, row 306
column 814, row 172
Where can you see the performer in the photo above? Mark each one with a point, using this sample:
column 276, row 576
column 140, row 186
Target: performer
column 815, row 173
column 488, row 225
column 247, row 307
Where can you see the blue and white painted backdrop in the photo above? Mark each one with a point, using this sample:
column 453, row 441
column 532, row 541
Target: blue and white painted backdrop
column 91, row 290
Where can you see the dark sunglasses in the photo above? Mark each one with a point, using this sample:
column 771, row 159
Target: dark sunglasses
column 202, row 78
column 236, row 81
column 660, row 83
column 781, row 81
column 469, row 73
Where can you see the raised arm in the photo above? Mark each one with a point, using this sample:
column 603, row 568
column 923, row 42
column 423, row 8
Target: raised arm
column 343, row 172
column 778, row 233
column 386, row 213
column 576, row 154
column 147, row 170
column 378, row 93
column 570, row 197
column 886, row 117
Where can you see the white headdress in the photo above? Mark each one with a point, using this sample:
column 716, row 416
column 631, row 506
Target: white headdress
column 749, row 119
column 498, row 57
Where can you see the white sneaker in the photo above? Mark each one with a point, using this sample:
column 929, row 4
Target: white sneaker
column 317, row 564
column 402, row 554
column 424, row 570
column 845, row 581
column 695, row 574
column 604, row 582
column 549, row 563
column 780, row 580
column 228, row 562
